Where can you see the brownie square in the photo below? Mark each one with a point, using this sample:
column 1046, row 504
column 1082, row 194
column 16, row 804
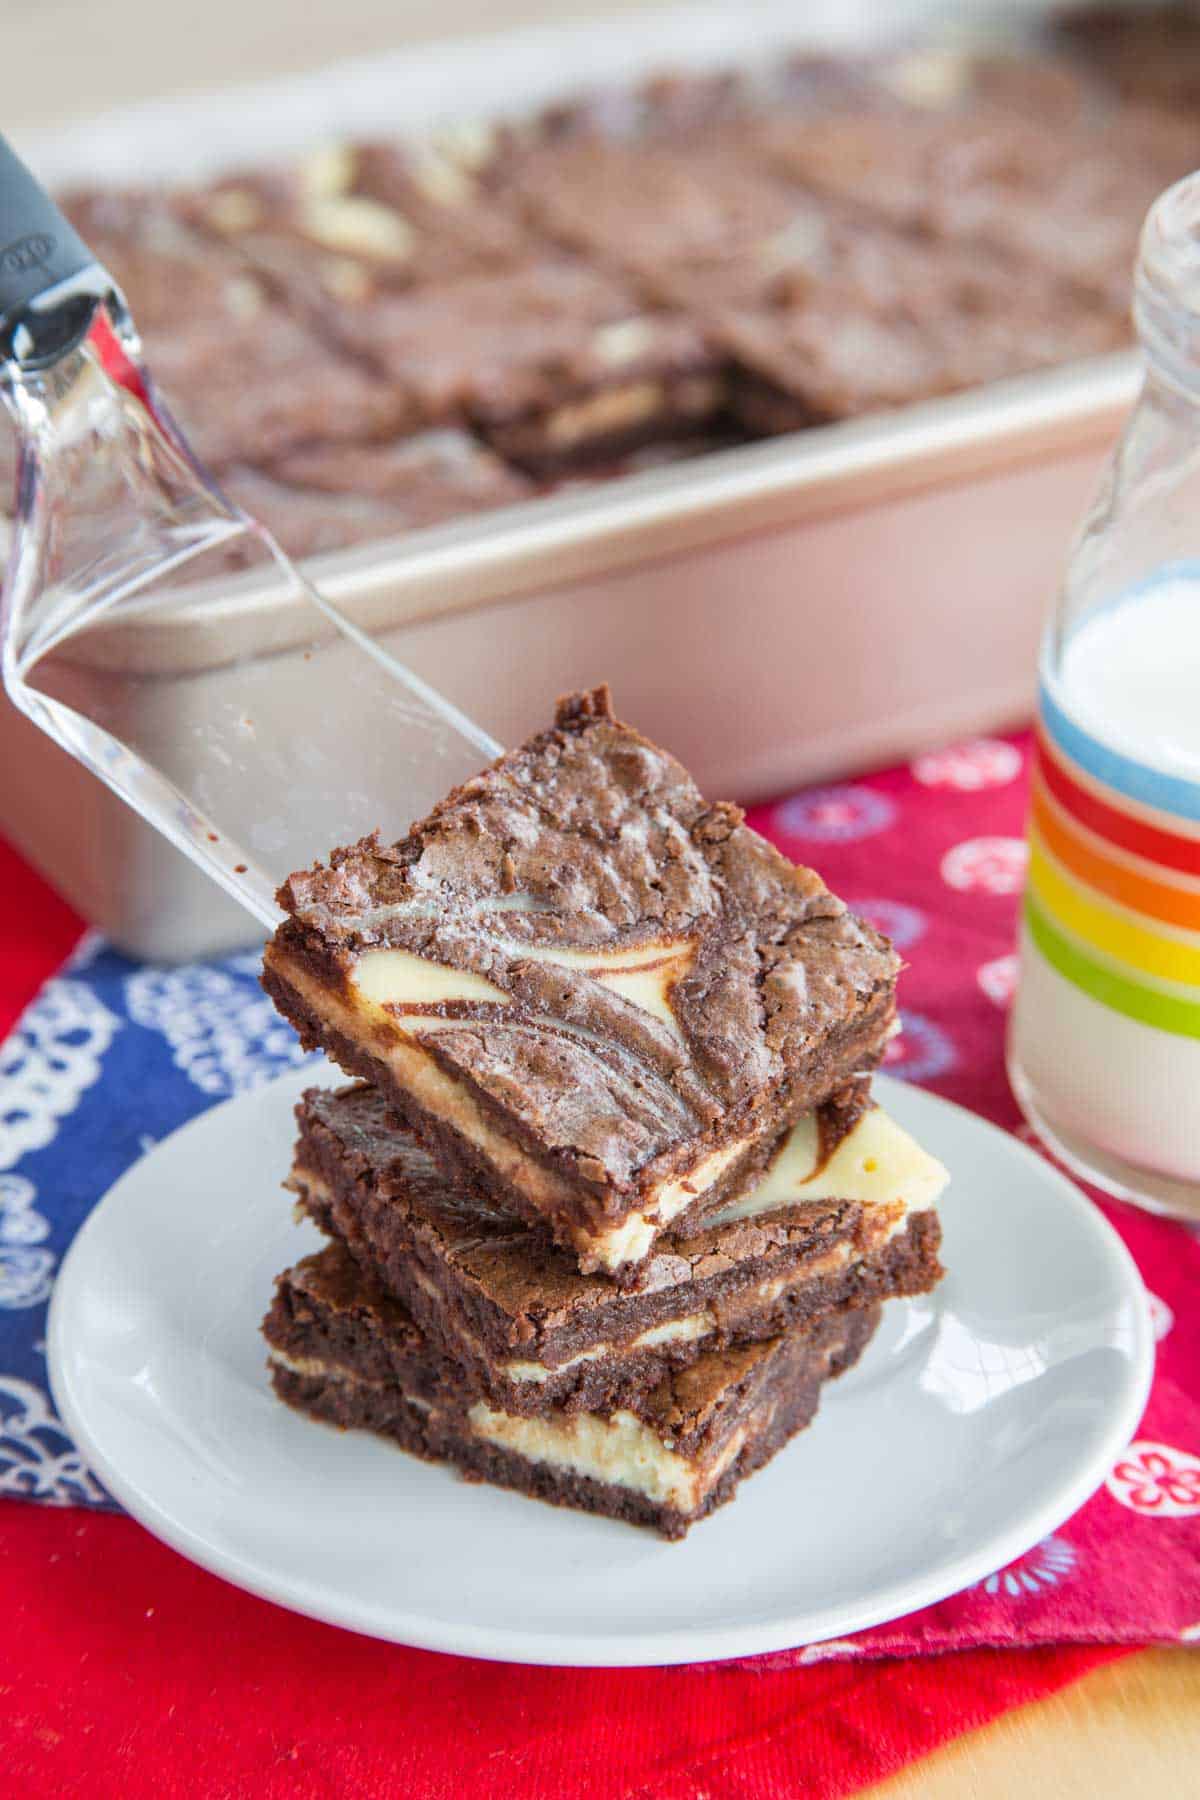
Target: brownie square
column 172, row 277
column 1060, row 199
column 247, row 379
column 355, row 219
column 844, row 1216
column 342, row 1351
column 252, row 385
column 554, row 363
column 643, row 207
column 598, row 995
column 851, row 318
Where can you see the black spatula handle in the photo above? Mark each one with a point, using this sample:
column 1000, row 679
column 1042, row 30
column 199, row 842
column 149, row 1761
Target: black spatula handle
column 50, row 283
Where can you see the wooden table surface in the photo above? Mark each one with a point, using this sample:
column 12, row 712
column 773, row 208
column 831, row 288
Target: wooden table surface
column 1132, row 1727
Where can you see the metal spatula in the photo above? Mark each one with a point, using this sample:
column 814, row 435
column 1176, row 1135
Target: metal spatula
column 116, row 522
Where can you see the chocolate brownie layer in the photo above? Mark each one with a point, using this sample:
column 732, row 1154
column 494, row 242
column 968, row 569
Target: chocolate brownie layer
column 261, row 385
column 248, row 380
column 344, row 1352
column 642, row 207
column 1150, row 54
column 171, row 275
column 830, row 319
column 593, row 993
column 1065, row 201
column 326, row 497
column 553, row 362
column 821, row 360
column 350, row 221
column 844, row 1217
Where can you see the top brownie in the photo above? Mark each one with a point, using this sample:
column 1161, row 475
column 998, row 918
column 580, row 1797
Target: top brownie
column 588, row 989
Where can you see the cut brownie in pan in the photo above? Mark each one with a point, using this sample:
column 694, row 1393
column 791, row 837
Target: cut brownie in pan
column 248, row 380
column 343, row 1351
column 326, row 497
column 1050, row 197
column 256, row 386
column 171, row 275
column 553, row 362
column 353, row 220
column 597, row 995
column 833, row 318
column 843, row 1217
column 644, row 207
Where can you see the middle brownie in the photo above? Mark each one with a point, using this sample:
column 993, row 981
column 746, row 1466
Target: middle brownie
column 843, row 1217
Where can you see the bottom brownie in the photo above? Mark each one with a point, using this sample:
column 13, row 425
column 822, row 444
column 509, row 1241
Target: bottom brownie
column 345, row 1352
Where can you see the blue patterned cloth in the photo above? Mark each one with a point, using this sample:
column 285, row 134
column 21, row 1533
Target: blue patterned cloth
column 110, row 1057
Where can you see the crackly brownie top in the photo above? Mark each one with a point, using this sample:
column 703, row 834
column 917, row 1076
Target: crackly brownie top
column 354, row 218
column 637, row 953
column 172, row 278
column 258, row 385
column 522, row 340
column 529, row 1278
column 642, row 206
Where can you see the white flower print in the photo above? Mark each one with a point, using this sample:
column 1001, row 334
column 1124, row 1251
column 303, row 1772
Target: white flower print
column 981, row 763
column 38, row 1461
column 986, row 865
column 48, row 1062
column 224, row 1034
column 1045, row 1566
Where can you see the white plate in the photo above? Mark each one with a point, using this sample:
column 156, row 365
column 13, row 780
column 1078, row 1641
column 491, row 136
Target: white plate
column 978, row 1420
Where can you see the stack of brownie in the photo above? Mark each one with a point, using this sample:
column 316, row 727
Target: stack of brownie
column 611, row 1199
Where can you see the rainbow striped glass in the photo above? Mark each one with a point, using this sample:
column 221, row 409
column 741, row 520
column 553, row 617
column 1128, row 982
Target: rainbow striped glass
column 1113, row 895
column 1104, row 1036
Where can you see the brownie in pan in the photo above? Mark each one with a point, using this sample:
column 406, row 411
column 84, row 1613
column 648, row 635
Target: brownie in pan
column 352, row 220
column 326, row 497
column 554, row 363
column 1063, row 199
column 595, row 995
column 841, row 320
column 249, row 380
column 343, row 1351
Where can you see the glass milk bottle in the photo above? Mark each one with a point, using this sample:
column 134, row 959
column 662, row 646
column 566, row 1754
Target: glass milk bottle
column 1104, row 1045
